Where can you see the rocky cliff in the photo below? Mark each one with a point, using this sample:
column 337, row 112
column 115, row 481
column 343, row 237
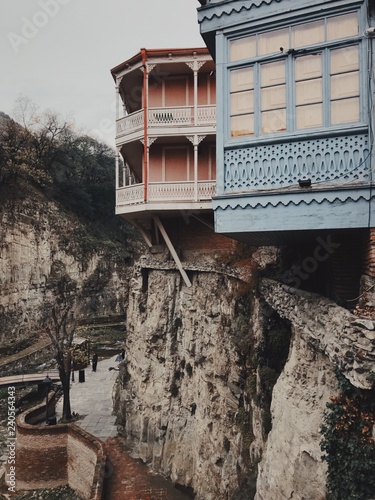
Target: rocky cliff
column 226, row 383
column 185, row 402
column 40, row 243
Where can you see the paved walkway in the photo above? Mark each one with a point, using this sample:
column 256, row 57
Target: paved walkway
column 128, row 478
column 92, row 399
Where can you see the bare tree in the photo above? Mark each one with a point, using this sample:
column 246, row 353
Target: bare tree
column 59, row 322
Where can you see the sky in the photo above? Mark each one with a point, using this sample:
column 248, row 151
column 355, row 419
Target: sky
column 59, row 53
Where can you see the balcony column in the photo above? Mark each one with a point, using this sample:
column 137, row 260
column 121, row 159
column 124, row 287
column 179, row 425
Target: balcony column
column 195, row 96
column 118, row 97
column 128, row 172
column 117, row 159
column 195, row 140
column 195, row 67
column 125, row 174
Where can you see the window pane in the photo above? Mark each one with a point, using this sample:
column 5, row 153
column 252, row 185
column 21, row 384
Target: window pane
column 308, row 67
column 273, row 73
column 344, row 111
column 242, row 125
column 309, row 91
column 243, row 102
column 342, row 26
column 273, row 41
column 345, row 59
column 309, row 116
column 274, row 121
column 242, row 79
column 274, row 97
column 308, row 34
column 346, row 85
column 242, row 48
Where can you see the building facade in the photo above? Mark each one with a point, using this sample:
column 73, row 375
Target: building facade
column 165, row 140
column 166, row 124
column 295, row 117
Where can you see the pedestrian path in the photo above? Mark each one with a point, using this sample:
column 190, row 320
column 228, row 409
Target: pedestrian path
column 92, row 399
column 130, row 479
column 127, row 478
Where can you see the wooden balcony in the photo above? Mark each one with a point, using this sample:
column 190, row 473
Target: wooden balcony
column 165, row 192
column 187, row 116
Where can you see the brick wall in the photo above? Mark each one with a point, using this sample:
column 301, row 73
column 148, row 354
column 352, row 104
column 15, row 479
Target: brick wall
column 86, row 461
column 56, row 455
column 190, row 235
column 370, row 257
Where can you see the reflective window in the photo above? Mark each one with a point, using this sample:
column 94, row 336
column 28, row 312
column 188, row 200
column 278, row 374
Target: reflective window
column 344, row 82
column 296, row 81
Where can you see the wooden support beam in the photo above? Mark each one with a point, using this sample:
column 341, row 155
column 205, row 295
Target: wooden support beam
column 211, row 226
column 145, row 235
column 172, row 250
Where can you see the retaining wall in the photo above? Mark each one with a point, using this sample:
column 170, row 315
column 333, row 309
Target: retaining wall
column 56, row 455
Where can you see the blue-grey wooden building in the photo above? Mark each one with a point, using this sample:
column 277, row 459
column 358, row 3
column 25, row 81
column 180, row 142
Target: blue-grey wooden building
column 294, row 116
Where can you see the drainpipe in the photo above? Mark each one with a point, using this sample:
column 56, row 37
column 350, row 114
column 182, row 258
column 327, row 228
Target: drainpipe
column 195, row 93
column 145, row 124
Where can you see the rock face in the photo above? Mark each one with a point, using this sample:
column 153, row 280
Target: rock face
column 182, row 403
column 195, row 391
column 348, row 342
column 39, row 245
column 292, row 466
column 324, row 336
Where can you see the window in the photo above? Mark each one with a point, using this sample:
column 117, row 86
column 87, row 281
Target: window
column 295, row 78
column 344, row 81
column 273, row 97
column 242, row 101
column 309, row 91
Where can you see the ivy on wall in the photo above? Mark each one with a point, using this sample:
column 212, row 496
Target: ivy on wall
column 348, row 443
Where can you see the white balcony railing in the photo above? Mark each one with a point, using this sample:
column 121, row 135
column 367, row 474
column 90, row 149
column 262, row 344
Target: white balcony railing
column 130, row 195
column 206, row 115
column 164, row 192
column 170, row 117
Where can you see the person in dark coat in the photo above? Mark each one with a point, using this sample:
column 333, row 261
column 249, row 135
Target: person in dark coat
column 94, row 362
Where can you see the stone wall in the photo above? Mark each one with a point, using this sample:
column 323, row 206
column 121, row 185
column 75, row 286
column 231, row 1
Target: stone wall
column 347, row 341
column 56, row 455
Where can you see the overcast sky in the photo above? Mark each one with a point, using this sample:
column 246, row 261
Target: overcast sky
column 59, row 52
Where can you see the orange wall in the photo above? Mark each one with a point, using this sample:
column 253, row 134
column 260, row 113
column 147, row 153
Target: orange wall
column 179, row 91
column 176, row 163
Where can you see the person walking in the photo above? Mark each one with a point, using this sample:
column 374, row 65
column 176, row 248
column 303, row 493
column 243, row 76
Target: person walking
column 94, row 362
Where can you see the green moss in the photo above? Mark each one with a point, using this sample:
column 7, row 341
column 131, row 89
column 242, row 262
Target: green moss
column 348, row 444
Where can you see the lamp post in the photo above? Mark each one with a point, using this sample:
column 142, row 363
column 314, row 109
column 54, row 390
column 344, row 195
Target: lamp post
column 47, row 384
